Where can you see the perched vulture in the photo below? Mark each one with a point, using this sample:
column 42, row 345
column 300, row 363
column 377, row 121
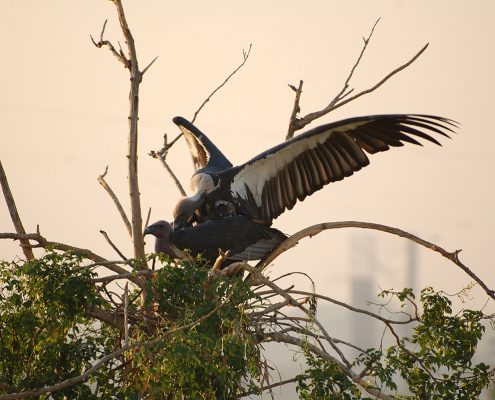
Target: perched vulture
column 245, row 239
column 265, row 186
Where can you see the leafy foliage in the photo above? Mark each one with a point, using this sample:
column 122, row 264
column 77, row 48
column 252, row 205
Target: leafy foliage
column 436, row 362
column 192, row 336
column 207, row 361
column 46, row 335
column 325, row 380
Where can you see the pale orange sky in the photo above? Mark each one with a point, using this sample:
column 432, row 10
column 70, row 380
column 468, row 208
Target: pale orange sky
column 64, row 118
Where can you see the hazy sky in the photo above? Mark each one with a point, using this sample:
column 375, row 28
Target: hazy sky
column 64, row 108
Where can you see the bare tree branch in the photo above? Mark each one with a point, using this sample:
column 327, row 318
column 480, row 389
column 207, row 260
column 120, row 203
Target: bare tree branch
column 126, row 318
column 109, row 241
column 260, row 278
column 245, row 56
column 162, row 153
column 295, row 110
column 293, row 124
column 148, row 217
column 136, row 78
column 111, row 193
column 342, row 97
column 88, row 254
column 119, row 55
column 385, row 79
column 351, row 308
column 149, row 65
column 14, row 215
column 108, row 317
column 162, row 156
column 315, row 229
column 266, row 387
column 283, row 338
column 126, row 275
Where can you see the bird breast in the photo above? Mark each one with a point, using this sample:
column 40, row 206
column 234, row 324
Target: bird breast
column 202, row 183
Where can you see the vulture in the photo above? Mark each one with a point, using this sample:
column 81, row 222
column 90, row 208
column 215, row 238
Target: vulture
column 245, row 239
column 264, row 187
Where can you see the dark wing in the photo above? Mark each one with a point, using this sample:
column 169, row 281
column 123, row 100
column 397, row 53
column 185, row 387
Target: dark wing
column 274, row 180
column 245, row 239
column 203, row 151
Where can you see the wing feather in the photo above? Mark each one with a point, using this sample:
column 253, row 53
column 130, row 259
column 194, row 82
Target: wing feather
column 203, row 152
column 298, row 167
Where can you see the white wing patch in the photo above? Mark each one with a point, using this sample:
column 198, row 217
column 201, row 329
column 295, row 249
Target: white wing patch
column 255, row 175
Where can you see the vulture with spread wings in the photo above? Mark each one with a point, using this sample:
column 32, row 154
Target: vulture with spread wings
column 265, row 186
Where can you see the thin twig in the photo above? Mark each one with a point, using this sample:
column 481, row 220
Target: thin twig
column 259, row 277
column 302, row 122
column 118, row 55
column 102, row 264
column 245, row 56
column 162, row 156
column 127, row 275
column 149, row 65
column 366, row 41
column 385, row 79
column 342, row 97
column 349, row 307
column 301, row 343
column 162, row 153
column 14, row 215
column 294, row 123
column 126, row 319
column 267, row 387
column 109, row 241
column 148, row 217
column 111, row 193
column 295, row 110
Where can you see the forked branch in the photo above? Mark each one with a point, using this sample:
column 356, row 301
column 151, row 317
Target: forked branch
column 131, row 63
column 162, row 156
column 342, row 98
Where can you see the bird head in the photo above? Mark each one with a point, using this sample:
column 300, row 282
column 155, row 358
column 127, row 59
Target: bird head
column 160, row 229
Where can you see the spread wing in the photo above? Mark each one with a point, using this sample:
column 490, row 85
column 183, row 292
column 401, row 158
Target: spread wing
column 203, row 151
column 273, row 181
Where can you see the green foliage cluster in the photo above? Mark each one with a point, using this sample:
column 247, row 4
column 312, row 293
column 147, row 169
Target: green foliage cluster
column 436, row 362
column 45, row 333
column 208, row 361
column 206, row 347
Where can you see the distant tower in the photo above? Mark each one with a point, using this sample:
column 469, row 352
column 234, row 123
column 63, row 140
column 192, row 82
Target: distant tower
column 412, row 266
column 411, row 275
column 364, row 264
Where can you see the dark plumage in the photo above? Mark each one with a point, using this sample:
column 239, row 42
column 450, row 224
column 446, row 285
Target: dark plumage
column 264, row 187
column 245, row 239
